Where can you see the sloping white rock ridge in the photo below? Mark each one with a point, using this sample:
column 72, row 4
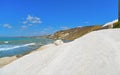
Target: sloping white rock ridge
column 97, row 53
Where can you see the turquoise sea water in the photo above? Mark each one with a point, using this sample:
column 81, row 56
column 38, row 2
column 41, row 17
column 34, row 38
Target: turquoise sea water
column 16, row 46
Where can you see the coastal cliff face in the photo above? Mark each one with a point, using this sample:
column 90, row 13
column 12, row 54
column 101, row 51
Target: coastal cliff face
column 74, row 33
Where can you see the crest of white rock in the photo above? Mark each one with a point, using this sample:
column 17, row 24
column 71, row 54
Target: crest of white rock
column 110, row 24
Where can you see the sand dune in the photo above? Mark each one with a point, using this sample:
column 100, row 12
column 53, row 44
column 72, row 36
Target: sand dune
column 97, row 53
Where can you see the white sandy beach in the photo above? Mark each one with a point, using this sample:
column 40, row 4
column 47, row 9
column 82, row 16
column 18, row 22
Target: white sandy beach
column 97, row 53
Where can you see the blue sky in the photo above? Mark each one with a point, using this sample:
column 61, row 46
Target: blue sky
column 39, row 17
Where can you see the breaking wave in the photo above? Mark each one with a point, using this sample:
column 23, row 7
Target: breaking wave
column 11, row 47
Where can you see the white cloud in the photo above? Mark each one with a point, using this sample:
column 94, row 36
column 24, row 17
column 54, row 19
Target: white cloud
column 7, row 26
column 86, row 22
column 64, row 27
column 80, row 26
column 24, row 22
column 48, row 28
column 30, row 24
column 24, row 27
column 31, row 20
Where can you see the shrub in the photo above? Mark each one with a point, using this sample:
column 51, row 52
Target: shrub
column 116, row 25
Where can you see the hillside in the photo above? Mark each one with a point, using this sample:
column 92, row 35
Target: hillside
column 71, row 34
column 74, row 33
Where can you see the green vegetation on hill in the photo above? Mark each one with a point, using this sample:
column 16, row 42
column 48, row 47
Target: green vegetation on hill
column 116, row 25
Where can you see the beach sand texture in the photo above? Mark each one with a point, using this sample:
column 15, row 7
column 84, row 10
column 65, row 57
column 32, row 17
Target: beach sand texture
column 6, row 60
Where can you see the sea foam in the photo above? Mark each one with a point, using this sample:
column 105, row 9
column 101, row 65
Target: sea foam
column 11, row 47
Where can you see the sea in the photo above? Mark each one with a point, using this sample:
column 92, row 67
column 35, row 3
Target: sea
column 10, row 46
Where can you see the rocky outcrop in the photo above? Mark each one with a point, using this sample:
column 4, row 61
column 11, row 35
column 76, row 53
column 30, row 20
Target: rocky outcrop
column 58, row 42
column 110, row 25
column 74, row 33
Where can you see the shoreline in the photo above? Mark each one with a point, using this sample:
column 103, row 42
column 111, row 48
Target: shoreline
column 7, row 60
